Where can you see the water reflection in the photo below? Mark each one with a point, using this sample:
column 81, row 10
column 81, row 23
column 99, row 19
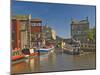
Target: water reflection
column 55, row 62
column 34, row 64
column 84, row 61
column 52, row 58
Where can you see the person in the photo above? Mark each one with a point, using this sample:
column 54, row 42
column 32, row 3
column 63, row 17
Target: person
column 25, row 50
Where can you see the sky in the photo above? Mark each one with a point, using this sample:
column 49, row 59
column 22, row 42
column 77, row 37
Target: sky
column 57, row 16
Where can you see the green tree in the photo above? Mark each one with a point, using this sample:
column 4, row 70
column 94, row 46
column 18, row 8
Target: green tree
column 91, row 34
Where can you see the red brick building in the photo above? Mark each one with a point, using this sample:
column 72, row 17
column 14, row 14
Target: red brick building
column 36, row 29
column 15, row 34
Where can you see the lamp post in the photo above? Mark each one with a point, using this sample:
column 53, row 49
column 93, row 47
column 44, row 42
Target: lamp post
column 29, row 30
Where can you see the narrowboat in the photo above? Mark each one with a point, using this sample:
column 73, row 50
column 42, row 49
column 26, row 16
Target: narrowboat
column 17, row 54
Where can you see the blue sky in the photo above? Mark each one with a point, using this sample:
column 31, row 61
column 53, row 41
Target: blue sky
column 57, row 16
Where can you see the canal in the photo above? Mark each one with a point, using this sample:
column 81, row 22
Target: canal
column 55, row 61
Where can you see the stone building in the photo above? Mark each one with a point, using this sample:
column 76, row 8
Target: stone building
column 79, row 29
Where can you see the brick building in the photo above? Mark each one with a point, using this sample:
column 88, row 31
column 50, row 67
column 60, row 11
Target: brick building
column 21, row 24
column 30, row 32
column 16, row 34
column 36, row 30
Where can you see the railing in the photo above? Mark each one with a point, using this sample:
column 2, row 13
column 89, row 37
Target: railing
column 88, row 47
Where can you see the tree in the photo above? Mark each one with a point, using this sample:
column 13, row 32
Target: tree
column 91, row 34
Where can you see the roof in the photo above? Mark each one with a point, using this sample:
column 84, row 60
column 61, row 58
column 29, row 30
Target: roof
column 75, row 22
column 21, row 17
column 83, row 21
column 80, row 22
column 36, row 20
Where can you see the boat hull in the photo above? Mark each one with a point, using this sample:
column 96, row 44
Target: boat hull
column 17, row 57
column 44, row 51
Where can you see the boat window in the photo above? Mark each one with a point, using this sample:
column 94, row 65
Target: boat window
column 15, row 53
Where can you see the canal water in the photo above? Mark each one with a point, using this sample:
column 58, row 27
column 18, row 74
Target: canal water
column 55, row 61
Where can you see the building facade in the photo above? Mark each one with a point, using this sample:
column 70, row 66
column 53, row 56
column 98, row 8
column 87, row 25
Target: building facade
column 79, row 30
column 16, row 34
column 36, row 30
column 28, row 32
column 24, row 29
